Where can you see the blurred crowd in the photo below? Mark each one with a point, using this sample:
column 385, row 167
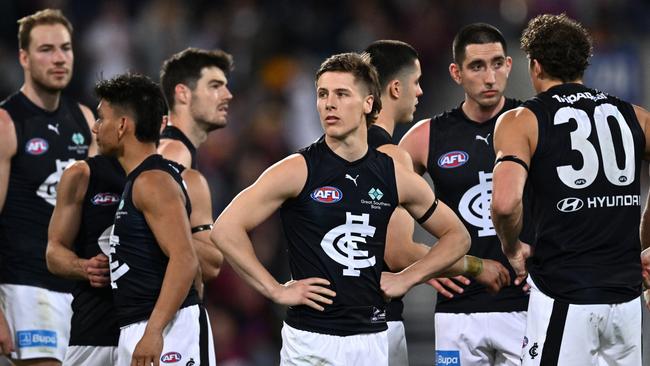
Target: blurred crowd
column 277, row 46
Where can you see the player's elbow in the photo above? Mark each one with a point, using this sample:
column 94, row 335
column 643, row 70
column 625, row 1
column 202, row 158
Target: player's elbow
column 464, row 241
column 50, row 259
column 504, row 205
column 211, row 270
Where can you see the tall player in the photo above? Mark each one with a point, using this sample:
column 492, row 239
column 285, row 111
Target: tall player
column 41, row 132
column 398, row 68
column 152, row 258
column 580, row 150
column 455, row 148
column 195, row 85
column 336, row 198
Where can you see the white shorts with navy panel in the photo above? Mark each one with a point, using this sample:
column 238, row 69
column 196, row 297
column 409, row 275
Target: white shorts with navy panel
column 187, row 339
column 39, row 319
column 558, row 333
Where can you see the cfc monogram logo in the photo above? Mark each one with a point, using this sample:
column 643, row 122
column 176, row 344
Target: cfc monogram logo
column 341, row 244
column 474, row 206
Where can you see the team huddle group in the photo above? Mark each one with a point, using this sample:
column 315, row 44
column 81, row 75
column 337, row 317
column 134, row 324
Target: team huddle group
column 107, row 236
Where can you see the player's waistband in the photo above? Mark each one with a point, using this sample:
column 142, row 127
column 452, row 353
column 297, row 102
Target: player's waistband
column 339, row 320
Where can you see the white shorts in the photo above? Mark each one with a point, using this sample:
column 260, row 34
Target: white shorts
column 397, row 352
column 187, row 339
column 302, row 348
column 39, row 319
column 479, row 338
column 90, row 356
column 569, row 334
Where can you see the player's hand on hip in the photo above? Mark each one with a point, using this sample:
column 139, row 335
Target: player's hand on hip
column 392, row 285
column 518, row 262
column 445, row 286
column 308, row 291
column 97, row 270
column 148, row 350
column 494, row 276
column 6, row 338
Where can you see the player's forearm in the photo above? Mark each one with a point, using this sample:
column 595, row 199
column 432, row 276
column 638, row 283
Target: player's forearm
column 508, row 226
column 210, row 257
column 63, row 262
column 645, row 227
column 405, row 255
column 176, row 285
column 467, row 265
column 449, row 249
column 237, row 249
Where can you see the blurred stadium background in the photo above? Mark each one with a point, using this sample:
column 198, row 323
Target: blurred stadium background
column 277, row 46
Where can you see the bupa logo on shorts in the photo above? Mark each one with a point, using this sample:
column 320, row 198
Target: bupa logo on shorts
column 453, row 159
column 105, row 199
column 36, row 338
column 448, row 358
column 570, row 204
column 171, row 357
column 36, row 146
column 327, row 194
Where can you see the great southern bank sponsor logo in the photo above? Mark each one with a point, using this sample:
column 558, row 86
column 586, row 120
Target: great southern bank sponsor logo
column 36, row 146
column 453, row 159
column 36, row 338
column 448, row 358
column 327, row 194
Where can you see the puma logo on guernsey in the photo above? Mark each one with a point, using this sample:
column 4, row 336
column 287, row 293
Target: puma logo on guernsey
column 54, row 128
column 348, row 176
column 484, row 139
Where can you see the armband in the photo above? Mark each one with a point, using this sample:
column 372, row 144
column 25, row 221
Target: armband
column 199, row 228
column 514, row 159
column 429, row 212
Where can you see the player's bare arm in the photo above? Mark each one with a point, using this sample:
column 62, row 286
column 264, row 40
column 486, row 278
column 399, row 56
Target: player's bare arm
column 175, row 150
column 161, row 201
column 64, row 227
column 6, row 338
column 90, row 119
column 210, row 257
column 8, row 148
column 515, row 135
column 454, row 241
column 280, row 182
column 416, row 143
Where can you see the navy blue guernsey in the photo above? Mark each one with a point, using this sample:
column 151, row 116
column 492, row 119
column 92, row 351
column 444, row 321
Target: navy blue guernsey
column 93, row 317
column 138, row 264
column 47, row 142
column 584, row 177
column 377, row 137
column 460, row 162
column 173, row 133
column 336, row 229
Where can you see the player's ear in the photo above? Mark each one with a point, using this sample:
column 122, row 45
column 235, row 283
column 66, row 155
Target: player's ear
column 394, row 88
column 454, row 72
column 182, row 94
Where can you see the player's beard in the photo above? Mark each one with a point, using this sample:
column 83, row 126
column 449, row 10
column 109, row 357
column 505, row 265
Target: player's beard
column 41, row 85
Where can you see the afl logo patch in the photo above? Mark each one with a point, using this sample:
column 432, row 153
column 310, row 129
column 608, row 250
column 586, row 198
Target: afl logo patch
column 453, row 159
column 327, row 194
column 105, row 199
column 171, row 357
column 36, row 146
column 571, row 204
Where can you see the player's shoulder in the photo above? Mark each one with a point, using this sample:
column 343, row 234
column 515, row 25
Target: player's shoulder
column 8, row 138
column 398, row 154
column 175, row 150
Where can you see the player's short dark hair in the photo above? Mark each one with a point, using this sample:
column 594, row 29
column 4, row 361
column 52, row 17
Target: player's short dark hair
column 475, row 33
column 391, row 58
column 560, row 44
column 360, row 67
column 185, row 68
column 138, row 96
column 45, row 16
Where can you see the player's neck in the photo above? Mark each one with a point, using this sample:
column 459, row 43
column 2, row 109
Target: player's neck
column 42, row 98
column 547, row 84
column 480, row 114
column 386, row 122
column 134, row 153
column 352, row 147
column 186, row 124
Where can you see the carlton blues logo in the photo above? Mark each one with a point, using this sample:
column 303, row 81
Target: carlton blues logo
column 342, row 244
column 36, row 146
column 453, row 159
column 326, row 194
